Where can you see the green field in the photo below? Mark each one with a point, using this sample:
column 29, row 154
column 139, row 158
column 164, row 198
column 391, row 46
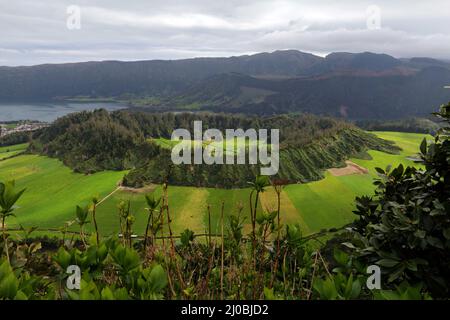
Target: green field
column 10, row 151
column 236, row 143
column 10, row 125
column 188, row 208
column 53, row 191
column 330, row 201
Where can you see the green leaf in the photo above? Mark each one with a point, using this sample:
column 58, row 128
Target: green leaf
column 326, row 289
column 5, row 269
column 396, row 274
column 8, row 197
column 349, row 245
column 152, row 202
column 62, row 258
column 9, row 286
column 341, row 257
column 20, row 296
column 446, row 233
column 126, row 259
column 186, row 237
column 379, row 170
column 435, row 242
column 268, row 294
column 388, row 263
column 121, row 294
column 356, row 289
column 386, row 295
column 423, row 146
column 107, row 294
column 420, row 234
column 82, row 214
column 102, row 252
column 157, row 279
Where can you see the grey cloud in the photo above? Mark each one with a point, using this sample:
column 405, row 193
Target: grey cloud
column 33, row 33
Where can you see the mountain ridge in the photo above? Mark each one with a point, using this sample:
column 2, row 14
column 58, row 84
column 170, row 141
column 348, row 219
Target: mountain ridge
column 280, row 81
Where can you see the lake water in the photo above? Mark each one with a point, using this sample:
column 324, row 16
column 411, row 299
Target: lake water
column 49, row 111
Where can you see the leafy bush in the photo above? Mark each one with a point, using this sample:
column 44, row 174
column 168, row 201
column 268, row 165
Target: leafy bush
column 405, row 227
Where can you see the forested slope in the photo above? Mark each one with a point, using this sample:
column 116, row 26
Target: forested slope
column 94, row 141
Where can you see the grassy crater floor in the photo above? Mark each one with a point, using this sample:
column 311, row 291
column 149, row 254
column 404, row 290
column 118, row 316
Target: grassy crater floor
column 53, row 191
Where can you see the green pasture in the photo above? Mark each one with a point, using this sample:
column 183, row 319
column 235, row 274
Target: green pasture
column 236, row 143
column 329, row 202
column 53, row 191
column 188, row 208
column 9, row 151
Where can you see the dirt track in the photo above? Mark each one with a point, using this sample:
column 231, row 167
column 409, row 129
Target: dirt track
column 146, row 189
column 351, row 168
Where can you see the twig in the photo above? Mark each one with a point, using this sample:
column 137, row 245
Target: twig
column 312, row 278
column 222, row 254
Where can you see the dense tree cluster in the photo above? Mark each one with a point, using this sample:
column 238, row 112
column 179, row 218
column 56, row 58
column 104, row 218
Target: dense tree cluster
column 417, row 125
column 15, row 138
column 93, row 141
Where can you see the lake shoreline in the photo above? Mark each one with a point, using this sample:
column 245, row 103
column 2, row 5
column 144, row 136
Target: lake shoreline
column 51, row 110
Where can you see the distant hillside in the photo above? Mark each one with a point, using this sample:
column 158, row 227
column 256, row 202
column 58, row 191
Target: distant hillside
column 113, row 78
column 354, row 63
column 353, row 85
column 414, row 125
column 347, row 96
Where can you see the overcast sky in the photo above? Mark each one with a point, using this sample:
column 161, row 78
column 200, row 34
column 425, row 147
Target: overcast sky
column 35, row 32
